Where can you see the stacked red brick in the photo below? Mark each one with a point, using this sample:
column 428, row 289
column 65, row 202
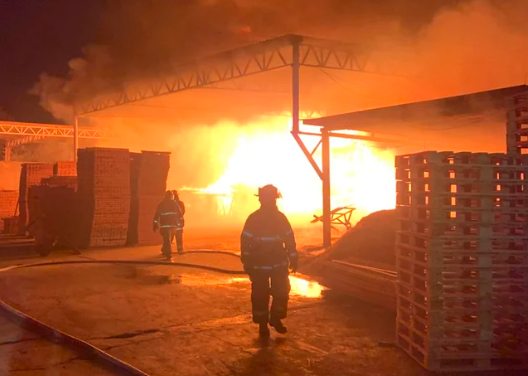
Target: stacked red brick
column 149, row 182
column 8, row 205
column 462, row 260
column 31, row 175
column 104, row 196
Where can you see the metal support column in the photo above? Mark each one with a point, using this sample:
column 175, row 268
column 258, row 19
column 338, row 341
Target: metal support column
column 295, row 86
column 75, row 137
column 327, row 208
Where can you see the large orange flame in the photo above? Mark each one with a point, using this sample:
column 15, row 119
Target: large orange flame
column 266, row 153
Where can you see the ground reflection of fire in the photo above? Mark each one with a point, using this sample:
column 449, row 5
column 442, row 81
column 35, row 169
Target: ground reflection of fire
column 265, row 152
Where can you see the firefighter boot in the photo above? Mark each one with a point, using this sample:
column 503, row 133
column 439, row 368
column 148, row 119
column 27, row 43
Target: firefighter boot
column 279, row 326
column 264, row 331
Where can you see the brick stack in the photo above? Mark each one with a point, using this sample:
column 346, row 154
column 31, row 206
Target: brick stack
column 8, row 205
column 65, row 168
column 462, row 260
column 31, row 175
column 104, row 196
column 149, row 172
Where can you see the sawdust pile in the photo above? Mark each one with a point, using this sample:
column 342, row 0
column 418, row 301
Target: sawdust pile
column 370, row 241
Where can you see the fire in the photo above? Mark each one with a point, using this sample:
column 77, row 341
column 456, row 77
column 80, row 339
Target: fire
column 266, row 153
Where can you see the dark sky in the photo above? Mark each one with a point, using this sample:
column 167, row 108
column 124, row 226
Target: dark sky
column 40, row 36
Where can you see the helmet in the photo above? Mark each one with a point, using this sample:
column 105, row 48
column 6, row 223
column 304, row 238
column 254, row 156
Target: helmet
column 269, row 192
column 168, row 194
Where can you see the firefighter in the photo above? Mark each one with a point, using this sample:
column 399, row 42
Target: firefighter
column 178, row 232
column 268, row 250
column 169, row 220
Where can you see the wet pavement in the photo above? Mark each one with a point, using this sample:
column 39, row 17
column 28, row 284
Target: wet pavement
column 173, row 320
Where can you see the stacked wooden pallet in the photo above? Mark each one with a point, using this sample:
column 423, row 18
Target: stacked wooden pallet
column 8, row 205
column 517, row 125
column 462, row 260
column 149, row 171
column 61, row 181
column 52, row 213
column 31, row 175
column 104, row 196
column 65, row 168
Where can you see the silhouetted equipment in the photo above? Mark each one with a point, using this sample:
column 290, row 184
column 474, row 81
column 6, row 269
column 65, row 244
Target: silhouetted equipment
column 339, row 216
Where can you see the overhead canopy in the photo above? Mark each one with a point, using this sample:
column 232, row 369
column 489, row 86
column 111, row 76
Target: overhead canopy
column 464, row 122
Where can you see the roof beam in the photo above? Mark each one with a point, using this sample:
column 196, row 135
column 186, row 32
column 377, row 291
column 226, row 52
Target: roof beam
column 246, row 61
column 33, row 132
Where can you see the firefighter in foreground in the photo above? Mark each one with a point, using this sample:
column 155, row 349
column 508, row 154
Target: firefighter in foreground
column 268, row 250
column 169, row 218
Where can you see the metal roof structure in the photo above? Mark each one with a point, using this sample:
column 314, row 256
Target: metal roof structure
column 15, row 134
column 449, row 109
column 212, row 89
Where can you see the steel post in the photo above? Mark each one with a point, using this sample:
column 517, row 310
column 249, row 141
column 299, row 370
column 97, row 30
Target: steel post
column 327, row 216
column 295, row 86
column 75, row 137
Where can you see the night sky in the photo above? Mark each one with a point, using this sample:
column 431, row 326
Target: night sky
column 39, row 36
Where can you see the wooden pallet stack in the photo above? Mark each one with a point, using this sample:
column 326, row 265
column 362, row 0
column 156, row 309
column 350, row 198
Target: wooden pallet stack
column 8, row 205
column 149, row 172
column 31, row 175
column 462, row 260
column 61, row 181
column 104, row 196
column 517, row 125
column 65, row 168
column 52, row 212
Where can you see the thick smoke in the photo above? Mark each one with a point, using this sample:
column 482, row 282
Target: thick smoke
column 440, row 47
column 144, row 38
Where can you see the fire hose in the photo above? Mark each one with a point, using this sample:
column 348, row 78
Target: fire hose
column 92, row 352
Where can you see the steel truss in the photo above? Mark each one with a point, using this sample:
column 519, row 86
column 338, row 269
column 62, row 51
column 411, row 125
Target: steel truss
column 259, row 58
column 290, row 51
column 34, row 131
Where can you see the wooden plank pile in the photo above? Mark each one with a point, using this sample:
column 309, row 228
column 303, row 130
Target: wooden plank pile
column 462, row 260
column 8, row 205
column 30, row 175
column 104, row 196
column 148, row 174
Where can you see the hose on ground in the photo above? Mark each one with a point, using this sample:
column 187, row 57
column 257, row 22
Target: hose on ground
column 55, row 335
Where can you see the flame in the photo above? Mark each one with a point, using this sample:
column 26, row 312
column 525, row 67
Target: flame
column 266, row 153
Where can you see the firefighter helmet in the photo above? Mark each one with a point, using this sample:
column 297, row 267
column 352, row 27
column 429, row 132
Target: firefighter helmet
column 169, row 194
column 269, row 192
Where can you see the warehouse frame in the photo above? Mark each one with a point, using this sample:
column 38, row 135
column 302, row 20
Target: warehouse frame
column 214, row 72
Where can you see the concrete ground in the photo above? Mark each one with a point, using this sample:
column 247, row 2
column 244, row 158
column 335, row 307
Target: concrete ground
column 171, row 320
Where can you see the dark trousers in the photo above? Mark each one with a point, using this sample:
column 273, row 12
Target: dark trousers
column 265, row 284
column 168, row 234
column 179, row 239
column 166, row 248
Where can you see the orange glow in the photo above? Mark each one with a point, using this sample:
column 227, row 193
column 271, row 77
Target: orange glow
column 265, row 153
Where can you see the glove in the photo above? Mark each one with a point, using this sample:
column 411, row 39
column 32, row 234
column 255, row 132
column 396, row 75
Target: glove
column 155, row 227
column 294, row 264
